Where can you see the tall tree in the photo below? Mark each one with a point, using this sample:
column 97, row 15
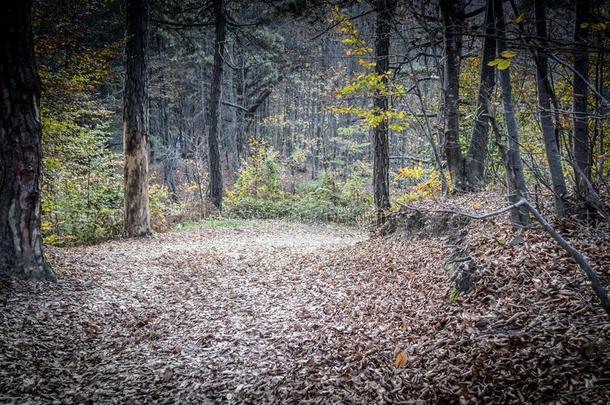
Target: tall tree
column 381, row 161
column 477, row 149
column 514, row 165
column 546, row 122
column 582, row 154
column 214, row 153
column 452, row 24
column 135, row 120
column 169, row 142
column 21, row 252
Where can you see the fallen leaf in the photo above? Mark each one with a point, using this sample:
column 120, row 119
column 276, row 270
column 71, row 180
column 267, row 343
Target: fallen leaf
column 400, row 360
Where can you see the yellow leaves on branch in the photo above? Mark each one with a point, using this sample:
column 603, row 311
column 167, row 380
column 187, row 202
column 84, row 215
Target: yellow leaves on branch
column 504, row 61
column 369, row 83
column 508, row 54
column 410, row 173
column 367, row 64
column 373, row 117
column 357, row 45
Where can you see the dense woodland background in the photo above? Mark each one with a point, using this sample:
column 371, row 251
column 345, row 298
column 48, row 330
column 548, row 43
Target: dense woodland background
column 296, row 109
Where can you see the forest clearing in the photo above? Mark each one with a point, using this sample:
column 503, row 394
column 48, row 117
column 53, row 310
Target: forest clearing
column 304, row 201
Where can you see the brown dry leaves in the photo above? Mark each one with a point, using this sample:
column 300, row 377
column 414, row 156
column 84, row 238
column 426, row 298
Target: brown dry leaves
column 274, row 313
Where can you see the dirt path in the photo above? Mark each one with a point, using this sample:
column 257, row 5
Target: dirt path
column 203, row 314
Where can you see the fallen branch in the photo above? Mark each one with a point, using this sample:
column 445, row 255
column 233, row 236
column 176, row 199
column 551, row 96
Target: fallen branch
column 596, row 284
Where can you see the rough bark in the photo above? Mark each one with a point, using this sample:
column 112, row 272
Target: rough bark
column 477, row 149
column 581, row 149
column 381, row 161
column 546, row 120
column 21, row 251
column 451, row 87
column 135, row 120
column 215, row 189
column 514, row 165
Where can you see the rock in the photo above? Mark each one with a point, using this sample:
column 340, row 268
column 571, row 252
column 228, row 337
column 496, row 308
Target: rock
column 517, row 240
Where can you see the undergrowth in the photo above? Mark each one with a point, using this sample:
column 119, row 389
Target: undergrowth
column 258, row 193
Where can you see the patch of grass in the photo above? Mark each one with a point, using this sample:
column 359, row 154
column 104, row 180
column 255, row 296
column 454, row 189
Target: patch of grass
column 211, row 223
column 453, row 295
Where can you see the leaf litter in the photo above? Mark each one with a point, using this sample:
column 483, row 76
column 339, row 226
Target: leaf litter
column 281, row 313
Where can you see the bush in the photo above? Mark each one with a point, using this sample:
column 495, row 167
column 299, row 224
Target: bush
column 82, row 186
column 257, row 194
column 260, row 177
column 258, row 208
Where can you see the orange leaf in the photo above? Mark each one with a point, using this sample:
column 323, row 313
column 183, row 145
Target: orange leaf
column 400, row 360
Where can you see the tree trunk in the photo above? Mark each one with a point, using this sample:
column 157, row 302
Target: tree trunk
column 451, row 87
column 477, row 150
column 582, row 154
column 135, row 120
column 381, row 161
column 21, row 252
column 214, row 152
column 546, row 121
column 170, row 145
column 514, row 165
column 240, row 83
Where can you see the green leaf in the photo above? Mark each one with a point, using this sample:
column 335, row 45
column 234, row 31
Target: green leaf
column 584, row 25
column 494, row 62
column 508, row 54
column 519, row 19
column 503, row 64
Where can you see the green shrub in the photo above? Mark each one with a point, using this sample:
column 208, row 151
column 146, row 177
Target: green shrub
column 82, row 185
column 260, row 177
column 257, row 194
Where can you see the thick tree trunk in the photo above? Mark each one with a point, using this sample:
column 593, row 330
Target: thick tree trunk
column 477, row 150
column 546, row 120
column 135, row 120
column 214, row 152
column 381, row 160
column 514, row 165
column 582, row 154
column 451, row 87
column 21, row 252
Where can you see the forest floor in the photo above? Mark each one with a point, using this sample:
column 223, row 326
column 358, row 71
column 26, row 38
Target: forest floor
column 268, row 312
